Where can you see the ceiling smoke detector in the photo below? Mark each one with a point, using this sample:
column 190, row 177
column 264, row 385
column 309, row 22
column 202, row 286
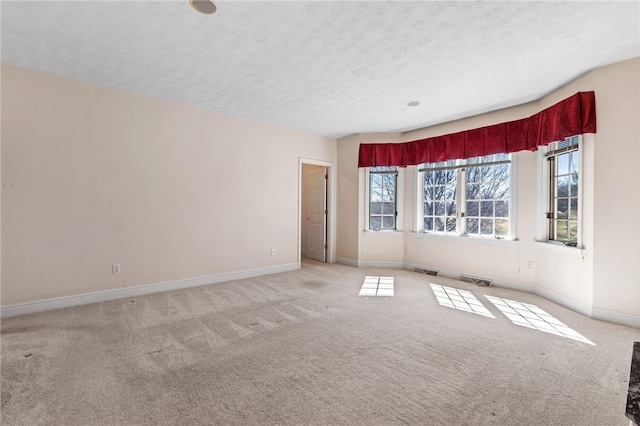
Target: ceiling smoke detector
column 208, row 7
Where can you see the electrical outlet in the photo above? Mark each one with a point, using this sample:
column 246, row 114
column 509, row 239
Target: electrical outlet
column 530, row 264
column 115, row 268
column 419, row 251
column 273, row 252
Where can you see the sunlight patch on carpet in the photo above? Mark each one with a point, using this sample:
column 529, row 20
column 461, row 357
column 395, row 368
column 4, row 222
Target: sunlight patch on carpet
column 532, row 316
column 462, row 300
column 377, row 286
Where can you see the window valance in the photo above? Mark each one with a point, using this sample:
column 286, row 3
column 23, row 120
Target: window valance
column 572, row 116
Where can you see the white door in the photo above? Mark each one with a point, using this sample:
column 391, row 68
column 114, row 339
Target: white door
column 317, row 214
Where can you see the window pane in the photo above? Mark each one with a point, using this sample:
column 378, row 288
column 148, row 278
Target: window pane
column 389, row 193
column 562, row 208
column 486, row 208
column 563, row 164
column 562, row 230
column 472, row 226
column 438, row 192
column 375, row 208
column 574, row 185
column 389, row 208
column 472, row 208
column 428, row 193
column 486, row 226
column 562, row 186
column 502, row 172
column 502, row 209
column 439, row 209
column 388, row 222
column 450, row 193
column 439, row 224
column 473, row 174
column 502, row 227
column 473, row 192
column 428, row 209
column 376, row 180
column 573, row 213
column 451, row 208
column 502, row 191
column 375, row 222
column 574, row 162
column 428, row 224
column 486, row 173
column 451, row 224
column 487, row 190
column 573, row 230
column 376, row 194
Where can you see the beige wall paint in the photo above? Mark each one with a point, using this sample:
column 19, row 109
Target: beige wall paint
column 604, row 274
column 348, row 202
column 94, row 176
column 617, row 180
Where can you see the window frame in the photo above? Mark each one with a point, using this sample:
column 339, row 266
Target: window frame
column 397, row 199
column 461, row 167
column 548, row 158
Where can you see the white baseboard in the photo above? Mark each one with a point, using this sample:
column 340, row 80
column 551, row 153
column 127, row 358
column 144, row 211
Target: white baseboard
column 565, row 301
column 348, row 262
column 376, row 264
column 369, row 263
column 616, row 317
column 103, row 296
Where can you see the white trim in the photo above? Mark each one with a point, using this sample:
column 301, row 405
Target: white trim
column 141, row 290
column 348, row 262
column 376, row 264
column 464, row 239
column 615, row 317
column 565, row 301
column 386, row 233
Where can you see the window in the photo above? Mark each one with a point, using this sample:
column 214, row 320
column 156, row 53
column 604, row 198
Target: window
column 383, row 184
column 468, row 197
column 440, row 197
column 487, row 201
column 564, row 168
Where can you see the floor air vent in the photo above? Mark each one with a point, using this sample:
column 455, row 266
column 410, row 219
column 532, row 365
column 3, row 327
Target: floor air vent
column 426, row 271
column 482, row 282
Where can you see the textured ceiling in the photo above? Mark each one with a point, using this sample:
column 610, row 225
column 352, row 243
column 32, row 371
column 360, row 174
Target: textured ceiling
column 325, row 67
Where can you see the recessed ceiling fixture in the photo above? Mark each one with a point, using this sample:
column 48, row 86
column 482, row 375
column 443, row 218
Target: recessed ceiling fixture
column 208, row 7
column 413, row 103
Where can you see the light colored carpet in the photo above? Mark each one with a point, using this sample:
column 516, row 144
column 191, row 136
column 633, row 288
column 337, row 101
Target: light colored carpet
column 302, row 348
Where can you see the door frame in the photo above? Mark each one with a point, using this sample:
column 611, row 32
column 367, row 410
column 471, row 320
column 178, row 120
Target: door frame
column 331, row 204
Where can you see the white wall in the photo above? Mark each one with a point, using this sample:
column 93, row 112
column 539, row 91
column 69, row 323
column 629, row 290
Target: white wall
column 602, row 279
column 94, row 176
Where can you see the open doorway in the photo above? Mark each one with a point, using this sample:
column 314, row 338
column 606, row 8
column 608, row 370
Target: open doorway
column 315, row 209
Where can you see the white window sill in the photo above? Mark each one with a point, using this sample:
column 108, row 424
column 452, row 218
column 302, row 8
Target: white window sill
column 557, row 247
column 466, row 239
column 382, row 233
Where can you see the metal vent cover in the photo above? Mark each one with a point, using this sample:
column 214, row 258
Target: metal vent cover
column 482, row 282
column 426, row 271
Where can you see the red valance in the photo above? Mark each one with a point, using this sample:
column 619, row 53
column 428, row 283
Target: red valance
column 573, row 116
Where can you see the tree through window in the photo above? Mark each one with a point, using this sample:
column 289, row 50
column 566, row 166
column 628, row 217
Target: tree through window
column 468, row 196
column 383, row 182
